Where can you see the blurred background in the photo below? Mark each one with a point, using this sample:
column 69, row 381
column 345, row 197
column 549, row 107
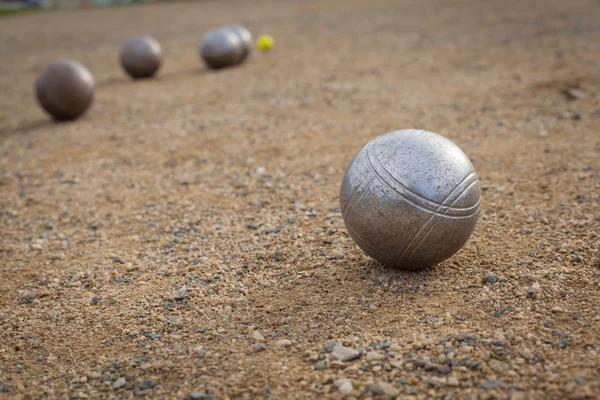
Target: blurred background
column 11, row 6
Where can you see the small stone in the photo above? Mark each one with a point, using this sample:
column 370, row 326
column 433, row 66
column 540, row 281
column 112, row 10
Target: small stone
column 534, row 288
column 140, row 393
column 258, row 347
column 198, row 396
column 320, row 366
column 119, row 383
column 330, row 346
column 490, row 278
column 491, row 385
column 580, row 379
column 180, row 294
column 343, row 353
column 384, row 389
column 444, row 370
column 556, row 309
column 5, row 388
column 574, row 94
column 96, row 299
column 374, row 356
column 283, row 343
column 499, row 313
column 452, row 381
column 31, row 295
column 346, row 387
column 147, row 384
column 256, row 335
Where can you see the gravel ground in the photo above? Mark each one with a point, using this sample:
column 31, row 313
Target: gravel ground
column 184, row 240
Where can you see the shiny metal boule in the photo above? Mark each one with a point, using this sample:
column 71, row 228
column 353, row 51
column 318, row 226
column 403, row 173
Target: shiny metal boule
column 221, row 48
column 245, row 37
column 65, row 89
column 141, row 57
column 410, row 199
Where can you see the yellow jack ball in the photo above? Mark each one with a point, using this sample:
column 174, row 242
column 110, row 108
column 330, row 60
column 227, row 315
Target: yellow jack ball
column 265, row 42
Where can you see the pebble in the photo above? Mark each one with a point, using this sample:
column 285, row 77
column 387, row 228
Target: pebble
column 374, row 356
column 329, row 347
column 256, row 335
column 384, row 389
column 574, row 94
column 346, row 387
column 452, row 381
column 147, row 384
column 283, row 343
column 491, row 385
column 119, row 383
column 198, row 396
column 180, row 294
column 343, row 353
column 534, row 288
column 490, row 278
column 258, row 347
column 5, row 389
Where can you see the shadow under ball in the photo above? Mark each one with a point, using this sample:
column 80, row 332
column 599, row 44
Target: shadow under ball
column 244, row 35
column 221, row 48
column 410, row 199
column 141, row 57
column 65, row 89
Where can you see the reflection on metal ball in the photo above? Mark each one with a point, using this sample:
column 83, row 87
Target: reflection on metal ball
column 221, row 48
column 410, row 199
column 65, row 89
column 245, row 37
column 141, row 57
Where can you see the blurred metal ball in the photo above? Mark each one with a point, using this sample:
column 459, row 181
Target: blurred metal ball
column 410, row 199
column 244, row 35
column 141, row 57
column 221, row 48
column 65, row 89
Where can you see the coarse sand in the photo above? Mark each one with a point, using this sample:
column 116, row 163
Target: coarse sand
column 183, row 239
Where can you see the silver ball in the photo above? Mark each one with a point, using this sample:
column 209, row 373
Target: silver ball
column 221, row 48
column 244, row 35
column 65, row 89
column 410, row 199
column 141, row 57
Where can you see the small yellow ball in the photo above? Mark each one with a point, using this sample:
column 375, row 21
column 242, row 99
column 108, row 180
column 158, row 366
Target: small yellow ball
column 265, row 42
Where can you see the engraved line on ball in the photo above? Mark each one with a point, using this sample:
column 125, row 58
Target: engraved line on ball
column 349, row 208
column 350, row 205
column 437, row 220
column 359, row 238
column 378, row 172
column 442, row 214
column 432, row 222
column 347, row 211
column 379, row 169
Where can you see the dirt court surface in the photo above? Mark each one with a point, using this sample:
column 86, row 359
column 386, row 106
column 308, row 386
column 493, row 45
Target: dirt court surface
column 183, row 239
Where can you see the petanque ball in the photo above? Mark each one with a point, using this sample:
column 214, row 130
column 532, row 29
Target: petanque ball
column 410, row 199
column 65, row 89
column 141, row 57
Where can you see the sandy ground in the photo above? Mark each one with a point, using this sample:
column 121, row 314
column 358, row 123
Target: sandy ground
column 183, row 239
